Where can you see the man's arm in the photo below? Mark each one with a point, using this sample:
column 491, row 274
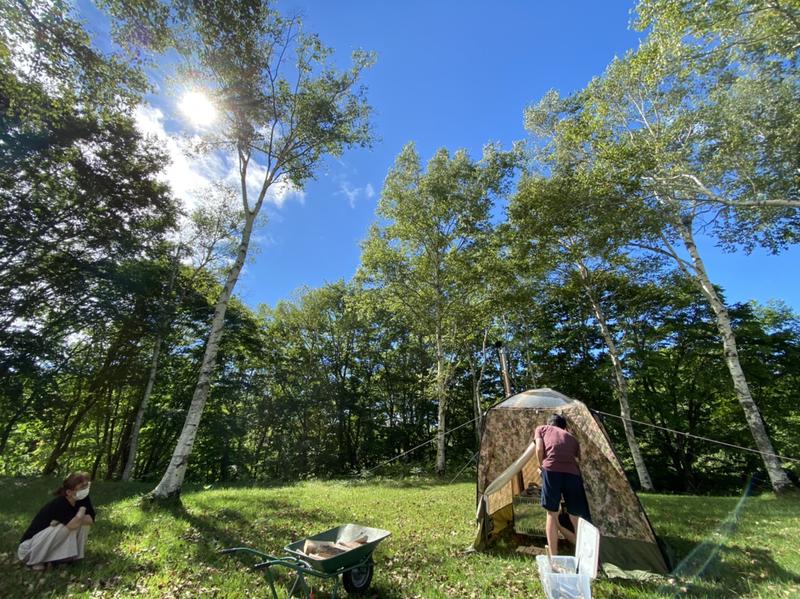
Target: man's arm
column 540, row 450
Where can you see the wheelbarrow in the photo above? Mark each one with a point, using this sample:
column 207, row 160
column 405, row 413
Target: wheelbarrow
column 355, row 566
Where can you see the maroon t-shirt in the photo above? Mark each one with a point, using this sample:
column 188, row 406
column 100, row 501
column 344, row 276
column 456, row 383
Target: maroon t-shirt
column 560, row 449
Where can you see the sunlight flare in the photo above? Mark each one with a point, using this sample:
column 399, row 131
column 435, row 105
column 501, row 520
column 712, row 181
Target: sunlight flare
column 198, row 108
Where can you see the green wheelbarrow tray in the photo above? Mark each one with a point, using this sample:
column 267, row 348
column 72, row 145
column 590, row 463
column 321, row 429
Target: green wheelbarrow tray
column 355, row 566
column 344, row 560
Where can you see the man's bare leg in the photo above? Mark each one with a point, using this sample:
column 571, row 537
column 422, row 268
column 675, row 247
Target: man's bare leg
column 574, row 520
column 551, row 530
column 567, row 534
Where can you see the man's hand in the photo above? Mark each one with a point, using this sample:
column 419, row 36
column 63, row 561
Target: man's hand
column 54, row 522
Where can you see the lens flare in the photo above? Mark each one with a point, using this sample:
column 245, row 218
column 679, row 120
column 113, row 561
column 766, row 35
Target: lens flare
column 198, row 108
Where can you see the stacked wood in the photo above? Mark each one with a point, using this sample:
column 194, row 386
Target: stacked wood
column 355, row 543
column 328, row 549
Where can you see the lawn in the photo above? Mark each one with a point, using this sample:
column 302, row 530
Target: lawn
column 729, row 547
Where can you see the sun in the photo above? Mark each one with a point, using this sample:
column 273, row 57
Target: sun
column 197, row 107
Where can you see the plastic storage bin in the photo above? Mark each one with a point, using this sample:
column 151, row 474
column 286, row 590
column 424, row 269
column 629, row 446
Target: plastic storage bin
column 570, row 577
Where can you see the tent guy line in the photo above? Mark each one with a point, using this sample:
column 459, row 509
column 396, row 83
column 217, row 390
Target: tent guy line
column 413, row 449
column 677, row 432
column 469, row 461
column 663, row 428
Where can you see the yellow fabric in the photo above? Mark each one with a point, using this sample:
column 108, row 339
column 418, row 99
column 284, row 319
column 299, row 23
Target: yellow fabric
column 531, row 474
column 502, row 519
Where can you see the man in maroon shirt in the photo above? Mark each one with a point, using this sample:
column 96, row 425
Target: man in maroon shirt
column 558, row 453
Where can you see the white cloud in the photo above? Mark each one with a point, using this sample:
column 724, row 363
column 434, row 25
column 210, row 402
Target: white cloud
column 263, row 240
column 183, row 174
column 150, row 121
column 282, row 190
column 188, row 175
column 350, row 193
column 278, row 193
column 353, row 193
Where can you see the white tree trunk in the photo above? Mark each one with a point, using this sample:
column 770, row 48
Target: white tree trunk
column 778, row 478
column 133, row 442
column 476, row 389
column 621, row 384
column 477, row 412
column 442, row 412
column 172, row 480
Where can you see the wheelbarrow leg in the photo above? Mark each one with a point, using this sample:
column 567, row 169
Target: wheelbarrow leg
column 300, row 582
column 271, row 580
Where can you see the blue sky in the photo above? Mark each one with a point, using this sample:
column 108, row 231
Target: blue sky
column 449, row 74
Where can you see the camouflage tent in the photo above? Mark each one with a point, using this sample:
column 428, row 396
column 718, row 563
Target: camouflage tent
column 508, row 466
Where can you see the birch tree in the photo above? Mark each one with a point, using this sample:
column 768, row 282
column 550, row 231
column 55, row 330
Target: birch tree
column 663, row 116
column 573, row 243
column 212, row 228
column 428, row 253
column 282, row 107
column 734, row 64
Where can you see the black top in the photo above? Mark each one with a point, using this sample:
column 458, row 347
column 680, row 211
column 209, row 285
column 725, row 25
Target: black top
column 58, row 509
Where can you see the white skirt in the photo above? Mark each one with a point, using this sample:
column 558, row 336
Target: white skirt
column 52, row 544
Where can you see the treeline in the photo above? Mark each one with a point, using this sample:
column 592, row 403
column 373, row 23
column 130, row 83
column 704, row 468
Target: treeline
column 117, row 313
column 332, row 384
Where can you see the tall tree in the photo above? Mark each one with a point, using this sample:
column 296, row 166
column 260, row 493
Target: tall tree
column 79, row 196
column 735, row 64
column 667, row 132
column 213, row 226
column 283, row 108
column 430, row 254
column 572, row 244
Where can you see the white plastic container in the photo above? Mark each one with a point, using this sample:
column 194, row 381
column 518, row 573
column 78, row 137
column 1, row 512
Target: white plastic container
column 568, row 577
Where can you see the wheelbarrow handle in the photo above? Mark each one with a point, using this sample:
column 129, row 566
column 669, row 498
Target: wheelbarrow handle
column 293, row 563
column 273, row 562
column 246, row 550
column 270, row 560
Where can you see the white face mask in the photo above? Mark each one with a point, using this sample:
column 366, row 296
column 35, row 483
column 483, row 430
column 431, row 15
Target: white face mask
column 83, row 493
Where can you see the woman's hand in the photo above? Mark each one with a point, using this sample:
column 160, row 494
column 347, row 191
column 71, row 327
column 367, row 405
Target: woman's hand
column 77, row 521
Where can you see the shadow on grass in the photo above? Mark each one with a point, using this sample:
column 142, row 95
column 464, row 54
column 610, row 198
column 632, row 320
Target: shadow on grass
column 732, row 571
column 410, row 482
column 226, row 527
column 229, row 527
column 240, row 484
column 715, row 571
column 74, row 578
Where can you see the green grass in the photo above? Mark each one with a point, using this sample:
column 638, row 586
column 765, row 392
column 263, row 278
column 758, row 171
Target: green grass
column 171, row 551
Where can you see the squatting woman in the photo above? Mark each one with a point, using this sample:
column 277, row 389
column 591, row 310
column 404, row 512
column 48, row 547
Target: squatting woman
column 59, row 530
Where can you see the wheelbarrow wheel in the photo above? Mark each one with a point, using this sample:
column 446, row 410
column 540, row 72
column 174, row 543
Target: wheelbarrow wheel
column 357, row 580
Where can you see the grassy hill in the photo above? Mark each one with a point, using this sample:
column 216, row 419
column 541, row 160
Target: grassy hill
column 172, row 552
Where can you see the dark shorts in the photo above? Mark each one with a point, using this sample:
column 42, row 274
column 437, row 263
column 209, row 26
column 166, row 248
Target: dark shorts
column 570, row 486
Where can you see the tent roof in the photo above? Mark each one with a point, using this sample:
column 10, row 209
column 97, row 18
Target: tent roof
column 537, row 398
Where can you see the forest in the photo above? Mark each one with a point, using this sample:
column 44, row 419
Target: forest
column 125, row 351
